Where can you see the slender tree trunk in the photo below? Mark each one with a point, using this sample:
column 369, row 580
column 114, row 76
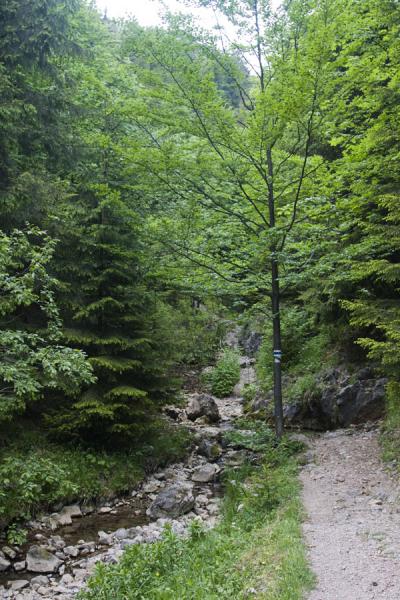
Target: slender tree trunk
column 277, row 348
column 275, row 297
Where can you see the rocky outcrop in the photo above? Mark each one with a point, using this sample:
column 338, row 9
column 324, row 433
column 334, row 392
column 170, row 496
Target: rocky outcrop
column 203, row 405
column 173, row 501
column 250, row 341
column 339, row 401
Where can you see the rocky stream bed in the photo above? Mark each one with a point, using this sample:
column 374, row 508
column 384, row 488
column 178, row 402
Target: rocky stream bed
column 63, row 548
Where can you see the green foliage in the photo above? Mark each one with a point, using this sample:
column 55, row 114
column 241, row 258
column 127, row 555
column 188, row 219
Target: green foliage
column 257, row 541
column 249, row 392
column 258, row 437
column 32, row 361
column 16, row 535
column 226, row 374
column 391, row 429
column 37, row 474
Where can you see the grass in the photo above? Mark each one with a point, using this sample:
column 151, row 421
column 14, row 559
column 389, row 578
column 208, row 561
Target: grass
column 37, row 474
column 255, row 551
column 390, row 438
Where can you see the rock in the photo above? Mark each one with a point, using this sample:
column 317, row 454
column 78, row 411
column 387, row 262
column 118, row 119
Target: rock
column 4, row 564
column 206, row 473
column 9, row 552
column 250, row 341
column 359, row 403
column 72, row 551
column 20, row 565
column 105, row 538
column 19, row 584
column 39, row 580
column 210, row 450
column 121, row 533
column 173, row 501
column 104, row 510
column 67, row 579
column 173, row 412
column 203, row 405
column 151, row 487
column 260, row 402
column 39, row 560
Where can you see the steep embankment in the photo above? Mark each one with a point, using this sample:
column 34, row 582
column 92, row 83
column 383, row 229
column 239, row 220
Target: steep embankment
column 353, row 525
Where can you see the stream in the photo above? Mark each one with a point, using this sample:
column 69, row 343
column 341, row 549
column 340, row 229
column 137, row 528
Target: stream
column 63, row 548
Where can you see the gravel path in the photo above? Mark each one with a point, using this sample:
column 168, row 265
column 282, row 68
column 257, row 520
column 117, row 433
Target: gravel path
column 353, row 526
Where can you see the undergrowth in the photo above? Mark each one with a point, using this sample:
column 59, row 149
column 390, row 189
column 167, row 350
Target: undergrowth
column 37, row 474
column 255, row 551
column 390, row 437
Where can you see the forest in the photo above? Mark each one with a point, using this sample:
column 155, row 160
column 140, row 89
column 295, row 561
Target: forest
column 161, row 188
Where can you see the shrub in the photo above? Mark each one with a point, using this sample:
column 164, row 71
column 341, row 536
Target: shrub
column 225, row 374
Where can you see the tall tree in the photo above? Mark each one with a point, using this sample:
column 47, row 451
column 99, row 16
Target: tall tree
column 249, row 166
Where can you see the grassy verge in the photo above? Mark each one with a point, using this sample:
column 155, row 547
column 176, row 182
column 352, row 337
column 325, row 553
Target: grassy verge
column 256, row 551
column 390, row 438
column 37, row 475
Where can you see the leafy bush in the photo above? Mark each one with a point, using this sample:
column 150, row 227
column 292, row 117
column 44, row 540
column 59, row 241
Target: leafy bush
column 249, row 392
column 225, row 374
column 258, row 437
column 34, row 480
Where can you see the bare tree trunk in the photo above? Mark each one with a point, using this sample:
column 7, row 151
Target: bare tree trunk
column 277, row 348
column 275, row 296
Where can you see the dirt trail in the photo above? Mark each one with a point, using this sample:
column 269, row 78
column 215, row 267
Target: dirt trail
column 353, row 525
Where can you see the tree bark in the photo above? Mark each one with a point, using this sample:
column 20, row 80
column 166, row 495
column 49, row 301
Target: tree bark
column 277, row 348
column 275, row 296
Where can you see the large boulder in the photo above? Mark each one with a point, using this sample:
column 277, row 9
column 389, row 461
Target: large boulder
column 203, row 405
column 40, row 560
column 173, row 501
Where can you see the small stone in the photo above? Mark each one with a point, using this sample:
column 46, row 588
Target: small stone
column 105, row 538
column 67, row 579
column 20, row 565
column 71, row 551
column 121, row 533
column 104, row 510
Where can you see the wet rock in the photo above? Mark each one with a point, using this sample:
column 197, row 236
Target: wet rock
column 203, row 405
column 4, row 564
column 210, row 450
column 206, row 473
column 173, row 501
column 40, row 560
